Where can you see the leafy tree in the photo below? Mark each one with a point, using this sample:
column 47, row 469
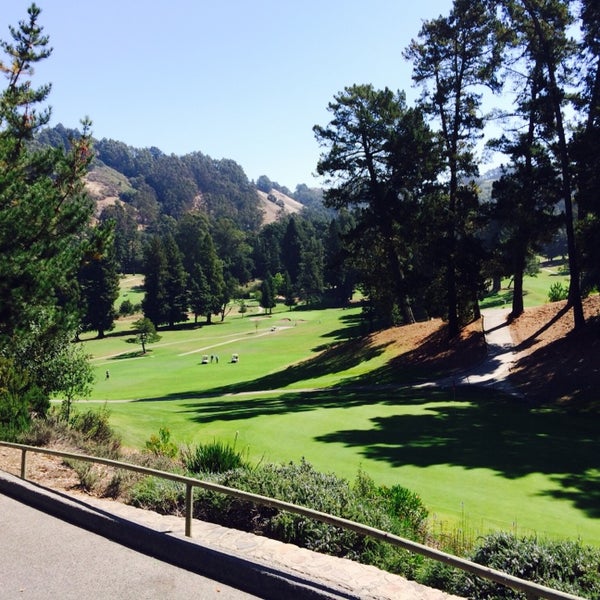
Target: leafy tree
column 43, row 213
column 73, row 375
column 145, row 333
column 264, row 184
column 453, row 57
column 98, row 279
column 232, row 249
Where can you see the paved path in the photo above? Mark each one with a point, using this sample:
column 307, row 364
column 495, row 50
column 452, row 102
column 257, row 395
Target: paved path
column 493, row 370
column 44, row 557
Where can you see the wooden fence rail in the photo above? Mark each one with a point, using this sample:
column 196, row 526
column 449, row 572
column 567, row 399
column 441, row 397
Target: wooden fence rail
column 532, row 590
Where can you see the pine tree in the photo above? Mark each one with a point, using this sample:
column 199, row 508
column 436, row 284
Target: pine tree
column 98, row 279
column 43, row 213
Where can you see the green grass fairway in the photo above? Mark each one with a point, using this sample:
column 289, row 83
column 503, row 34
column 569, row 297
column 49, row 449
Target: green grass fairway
column 535, row 287
column 480, row 461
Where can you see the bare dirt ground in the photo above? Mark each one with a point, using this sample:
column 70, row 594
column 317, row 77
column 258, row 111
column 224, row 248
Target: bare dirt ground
column 554, row 366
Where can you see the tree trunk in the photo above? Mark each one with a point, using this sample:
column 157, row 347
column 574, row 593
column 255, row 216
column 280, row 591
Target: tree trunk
column 517, row 301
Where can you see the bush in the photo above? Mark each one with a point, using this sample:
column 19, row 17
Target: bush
column 94, row 425
column 161, row 444
column 20, row 398
column 395, row 510
column 301, row 484
column 126, row 308
column 558, row 292
column 215, row 457
column 566, row 566
column 161, row 495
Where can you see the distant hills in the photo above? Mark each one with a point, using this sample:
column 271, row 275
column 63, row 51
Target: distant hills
column 153, row 183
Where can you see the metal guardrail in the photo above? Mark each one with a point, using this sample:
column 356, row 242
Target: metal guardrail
column 532, row 590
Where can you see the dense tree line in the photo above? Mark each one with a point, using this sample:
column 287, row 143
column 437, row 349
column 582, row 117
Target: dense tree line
column 423, row 242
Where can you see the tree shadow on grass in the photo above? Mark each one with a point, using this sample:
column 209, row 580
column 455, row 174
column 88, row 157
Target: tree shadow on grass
column 232, row 409
column 581, row 489
column 500, row 434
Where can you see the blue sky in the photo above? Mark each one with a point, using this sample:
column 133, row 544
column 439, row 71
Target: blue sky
column 238, row 79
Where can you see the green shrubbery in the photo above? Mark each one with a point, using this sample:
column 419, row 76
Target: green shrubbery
column 564, row 565
column 567, row 566
column 558, row 291
column 214, row 457
column 395, row 509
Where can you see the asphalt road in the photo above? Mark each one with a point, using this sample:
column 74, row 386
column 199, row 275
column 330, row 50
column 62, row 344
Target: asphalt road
column 45, row 558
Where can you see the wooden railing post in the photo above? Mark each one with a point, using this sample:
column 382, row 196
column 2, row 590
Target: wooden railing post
column 189, row 508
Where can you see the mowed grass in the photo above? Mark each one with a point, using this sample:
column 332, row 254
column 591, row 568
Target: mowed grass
column 479, row 460
column 536, row 287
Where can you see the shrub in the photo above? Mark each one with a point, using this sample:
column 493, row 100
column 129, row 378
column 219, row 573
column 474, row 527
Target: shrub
column 558, row 292
column 161, row 495
column 161, row 444
column 567, row 566
column 215, row 457
column 302, row 484
column 94, row 425
column 126, row 308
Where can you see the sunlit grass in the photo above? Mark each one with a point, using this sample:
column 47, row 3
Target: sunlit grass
column 478, row 460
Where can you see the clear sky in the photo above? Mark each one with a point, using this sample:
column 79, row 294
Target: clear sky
column 239, row 79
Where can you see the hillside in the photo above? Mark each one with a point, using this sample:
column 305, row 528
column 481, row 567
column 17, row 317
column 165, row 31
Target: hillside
column 554, row 366
column 104, row 185
column 275, row 204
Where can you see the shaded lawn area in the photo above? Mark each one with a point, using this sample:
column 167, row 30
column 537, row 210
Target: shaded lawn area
column 485, row 457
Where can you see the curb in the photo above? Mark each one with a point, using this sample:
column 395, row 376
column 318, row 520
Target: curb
column 248, row 576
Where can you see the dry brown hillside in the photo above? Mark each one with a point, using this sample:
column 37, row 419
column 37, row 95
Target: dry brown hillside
column 283, row 205
column 554, row 365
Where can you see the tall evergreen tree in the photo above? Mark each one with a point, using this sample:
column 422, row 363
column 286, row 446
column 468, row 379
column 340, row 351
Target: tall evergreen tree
column 212, row 268
column 176, row 296
column 43, row 212
column 267, row 297
column 98, row 279
column 382, row 158
column 453, row 57
column 543, row 29
column 154, row 304
column 291, row 249
column 586, row 146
